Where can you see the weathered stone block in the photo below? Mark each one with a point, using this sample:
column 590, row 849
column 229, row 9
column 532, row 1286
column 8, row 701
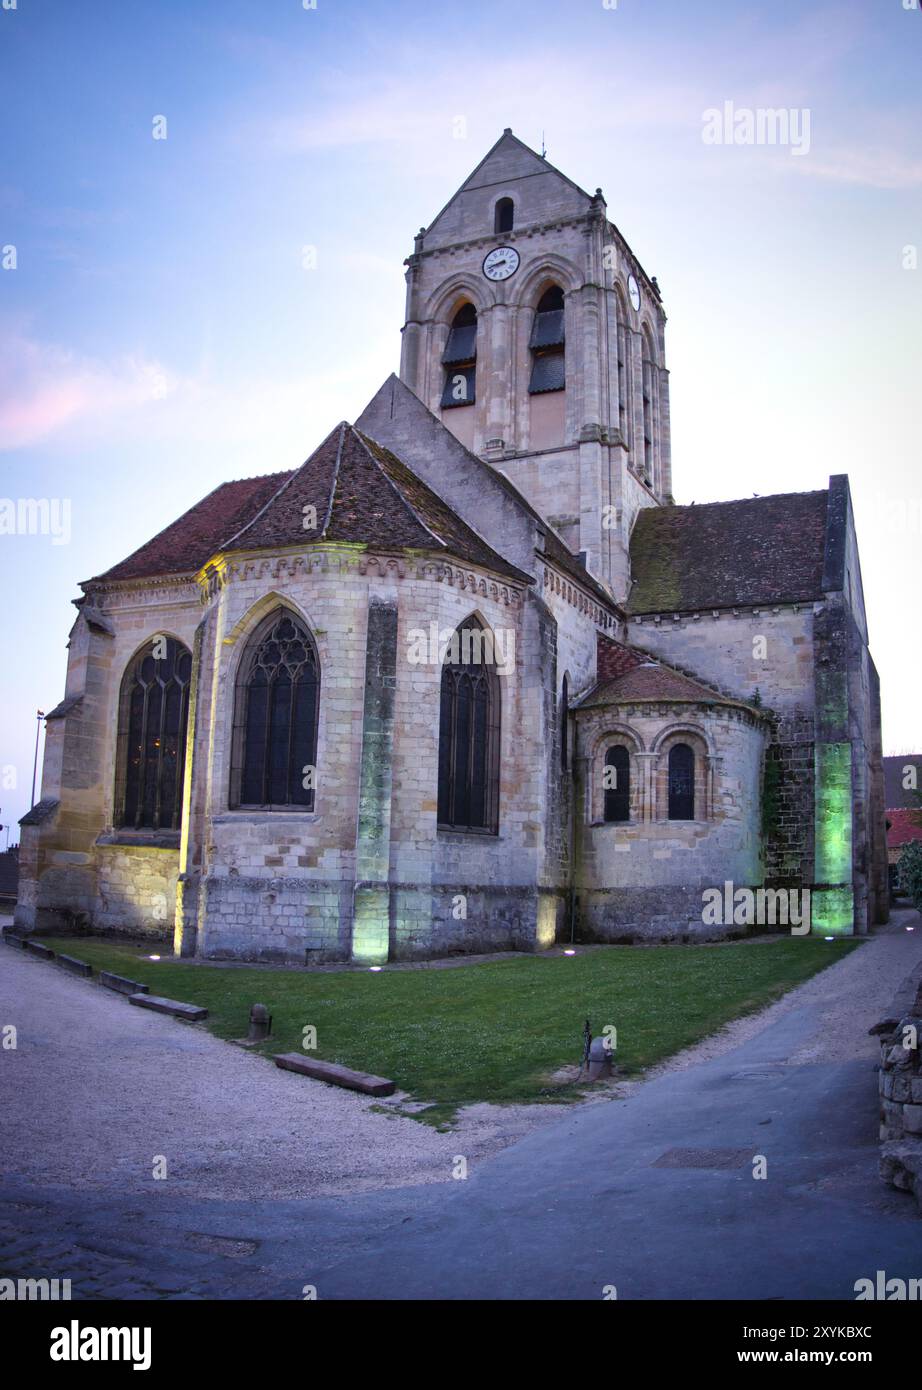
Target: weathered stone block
column 189, row 1013
column 121, row 984
column 76, row 967
column 336, row 1075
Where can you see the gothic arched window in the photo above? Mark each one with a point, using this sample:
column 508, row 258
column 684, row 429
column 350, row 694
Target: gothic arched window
column 681, row 782
column 547, row 344
column 153, row 710
column 277, row 701
column 504, row 217
column 460, row 359
column 469, row 717
column 617, row 784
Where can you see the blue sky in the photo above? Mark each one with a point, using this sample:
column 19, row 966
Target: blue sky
column 160, row 333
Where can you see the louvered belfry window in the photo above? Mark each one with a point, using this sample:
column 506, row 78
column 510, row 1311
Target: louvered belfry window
column 617, row 784
column 460, row 359
column 548, row 372
column 153, row 711
column 469, row 727
column 681, row 782
column 277, row 701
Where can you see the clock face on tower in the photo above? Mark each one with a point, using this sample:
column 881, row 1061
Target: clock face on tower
column 501, row 263
column 633, row 290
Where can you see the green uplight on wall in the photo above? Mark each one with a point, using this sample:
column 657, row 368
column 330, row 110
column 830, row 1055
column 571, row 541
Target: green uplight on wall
column 833, row 904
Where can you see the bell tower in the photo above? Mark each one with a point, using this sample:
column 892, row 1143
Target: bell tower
column 534, row 334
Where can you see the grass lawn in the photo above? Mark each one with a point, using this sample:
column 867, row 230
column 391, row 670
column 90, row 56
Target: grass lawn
column 490, row 1032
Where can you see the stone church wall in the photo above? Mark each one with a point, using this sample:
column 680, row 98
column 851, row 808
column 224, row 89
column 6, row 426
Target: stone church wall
column 725, row 650
column 644, row 880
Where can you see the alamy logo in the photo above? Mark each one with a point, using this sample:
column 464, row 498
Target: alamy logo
column 757, row 907
column 764, row 125
column 473, row 646
column 76, row 1343
column 35, row 1290
column 882, row 1289
column 36, row 516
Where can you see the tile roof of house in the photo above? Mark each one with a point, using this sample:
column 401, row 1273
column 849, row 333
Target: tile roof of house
column 362, row 494
column 895, row 794
column 903, row 827
column 759, row 550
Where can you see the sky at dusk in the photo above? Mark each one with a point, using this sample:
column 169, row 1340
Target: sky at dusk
column 162, row 329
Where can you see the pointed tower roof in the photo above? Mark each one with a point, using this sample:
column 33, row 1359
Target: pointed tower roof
column 507, row 164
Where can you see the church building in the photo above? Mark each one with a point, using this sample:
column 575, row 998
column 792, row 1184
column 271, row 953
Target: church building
column 469, row 679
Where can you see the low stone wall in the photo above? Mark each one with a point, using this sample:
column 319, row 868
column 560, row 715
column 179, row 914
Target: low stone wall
column 901, row 1090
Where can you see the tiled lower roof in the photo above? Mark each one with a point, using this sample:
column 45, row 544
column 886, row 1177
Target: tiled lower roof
column 656, row 682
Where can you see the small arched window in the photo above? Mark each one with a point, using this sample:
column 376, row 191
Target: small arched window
column 153, row 711
column 277, row 702
column 616, row 782
column 460, row 359
column 469, row 718
column 504, row 216
column 564, row 725
column 547, row 344
column 681, row 782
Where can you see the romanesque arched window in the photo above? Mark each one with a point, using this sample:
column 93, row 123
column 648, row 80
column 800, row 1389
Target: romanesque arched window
column 504, row 216
column 681, row 782
column 547, row 344
column 153, row 710
column 460, row 359
column 469, row 719
column 276, row 707
column 648, row 369
column 616, row 782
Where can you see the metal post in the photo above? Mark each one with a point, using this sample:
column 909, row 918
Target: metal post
column 38, row 729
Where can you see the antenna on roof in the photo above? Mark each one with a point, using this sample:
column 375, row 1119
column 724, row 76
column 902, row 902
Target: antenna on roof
column 543, row 147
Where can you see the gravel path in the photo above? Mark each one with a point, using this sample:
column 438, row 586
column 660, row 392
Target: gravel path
column 96, row 1089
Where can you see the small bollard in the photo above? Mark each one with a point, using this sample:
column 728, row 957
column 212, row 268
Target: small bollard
column 599, row 1059
column 260, row 1023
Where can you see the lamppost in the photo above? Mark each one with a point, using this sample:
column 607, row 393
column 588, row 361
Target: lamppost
column 38, row 729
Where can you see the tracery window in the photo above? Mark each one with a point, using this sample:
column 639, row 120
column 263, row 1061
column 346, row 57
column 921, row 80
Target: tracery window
column 276, row 708
column 469, row 726
column 153, row 712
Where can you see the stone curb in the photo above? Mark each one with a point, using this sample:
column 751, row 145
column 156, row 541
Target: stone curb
column 334, row 1074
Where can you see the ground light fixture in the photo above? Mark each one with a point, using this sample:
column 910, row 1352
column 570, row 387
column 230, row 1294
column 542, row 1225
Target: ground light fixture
column 375, row 967
column 569, row 953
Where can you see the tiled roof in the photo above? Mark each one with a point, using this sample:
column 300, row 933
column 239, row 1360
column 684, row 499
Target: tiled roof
column 760, row 550
column 186, row 544
column 614, row 658
column 655, row 682
column 904, row 826
column 895, row 794
column 361, row 494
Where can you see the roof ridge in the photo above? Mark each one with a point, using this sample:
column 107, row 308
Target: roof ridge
column 406, row 502
column 342, row 427
column 226, row 545
column 733, row 501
